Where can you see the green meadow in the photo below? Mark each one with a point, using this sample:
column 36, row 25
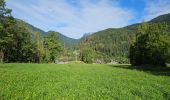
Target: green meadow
column 81, row 82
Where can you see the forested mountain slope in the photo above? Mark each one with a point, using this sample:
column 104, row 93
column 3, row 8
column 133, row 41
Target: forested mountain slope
column 65, row 41
column 162, row 18
column 114, row 43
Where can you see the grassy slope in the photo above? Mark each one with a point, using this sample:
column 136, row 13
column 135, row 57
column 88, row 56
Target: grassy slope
column 48, row 81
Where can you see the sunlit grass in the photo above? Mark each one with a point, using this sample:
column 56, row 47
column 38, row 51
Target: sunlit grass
column 80, row 81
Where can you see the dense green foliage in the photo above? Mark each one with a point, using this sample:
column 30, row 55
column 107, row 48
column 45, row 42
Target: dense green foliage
column 14, row 38
column 80, row 81
column 152, row 45
column 38, row 48
column 110, row 44
column 4, row 38
column 87, row 55
column 18, row 43
column 52, row 46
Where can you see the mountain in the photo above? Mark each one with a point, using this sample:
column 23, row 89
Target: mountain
column 114, row 43
column 161, row 18
column 30, row 27
column 65, row 41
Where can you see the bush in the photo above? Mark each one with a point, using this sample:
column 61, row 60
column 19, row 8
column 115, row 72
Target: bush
column 87, row 55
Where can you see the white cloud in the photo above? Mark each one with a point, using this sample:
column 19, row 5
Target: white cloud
column 71, row 20
column 155, row 8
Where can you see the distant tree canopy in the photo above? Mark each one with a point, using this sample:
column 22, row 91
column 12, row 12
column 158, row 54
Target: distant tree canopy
column 152, row 46
column 110, row 44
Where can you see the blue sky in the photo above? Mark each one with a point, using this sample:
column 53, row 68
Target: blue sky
column 73, row 18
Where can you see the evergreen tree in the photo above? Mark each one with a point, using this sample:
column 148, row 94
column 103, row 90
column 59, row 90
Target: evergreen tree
column 15, row 38
column 6, row 21
column 151, row 46
column 52, row 47
column 20, row 47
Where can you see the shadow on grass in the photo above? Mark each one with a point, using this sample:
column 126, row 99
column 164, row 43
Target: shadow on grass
column 160, row 71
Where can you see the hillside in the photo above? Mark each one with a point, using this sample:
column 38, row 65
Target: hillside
column 114, row 43
column 162, row 18
column 65, row 41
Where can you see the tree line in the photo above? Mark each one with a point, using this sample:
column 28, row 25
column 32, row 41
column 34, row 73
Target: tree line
column 149, row 44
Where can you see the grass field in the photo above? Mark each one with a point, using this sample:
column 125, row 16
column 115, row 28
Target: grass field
column 81, row 81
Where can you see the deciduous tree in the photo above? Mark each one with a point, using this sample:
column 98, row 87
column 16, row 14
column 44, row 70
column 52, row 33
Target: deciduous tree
column 152, row 45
